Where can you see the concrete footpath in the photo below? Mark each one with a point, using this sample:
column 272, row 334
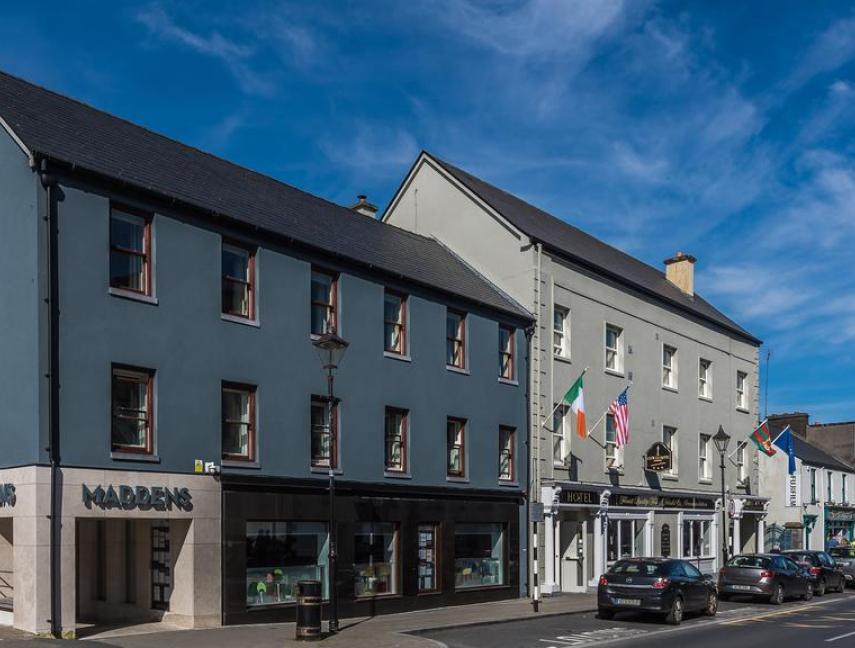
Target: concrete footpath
column 387, row 631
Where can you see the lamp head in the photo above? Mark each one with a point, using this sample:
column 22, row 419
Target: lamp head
column 330, row 349
column 721, row 440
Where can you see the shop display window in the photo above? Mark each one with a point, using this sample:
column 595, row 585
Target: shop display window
column 479, row 555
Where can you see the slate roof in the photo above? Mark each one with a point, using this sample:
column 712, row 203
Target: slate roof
column 809, row 453
column 63, row 129
column 566, row 240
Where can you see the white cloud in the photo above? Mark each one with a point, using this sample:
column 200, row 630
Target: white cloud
column 372, row 149
column 834, row 47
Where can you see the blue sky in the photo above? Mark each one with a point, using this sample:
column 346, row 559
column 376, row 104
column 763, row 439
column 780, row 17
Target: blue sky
column 721, row 129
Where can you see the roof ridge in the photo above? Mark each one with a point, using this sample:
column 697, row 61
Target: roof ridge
column 824, row 452
column 170, row 139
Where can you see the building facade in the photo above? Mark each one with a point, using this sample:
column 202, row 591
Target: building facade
column 623, row 324
column 813, row 508
column 165, row 406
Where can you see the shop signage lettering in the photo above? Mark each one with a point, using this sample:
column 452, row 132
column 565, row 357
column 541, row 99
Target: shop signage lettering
column 840, row 515
column 7, row 495
column 793, row 493
column 591, row 498
column 579, row 497
column 753, row 505
column 658, row 457
column 144, row 498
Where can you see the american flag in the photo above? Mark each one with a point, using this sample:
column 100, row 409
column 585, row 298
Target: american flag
column 620, row 410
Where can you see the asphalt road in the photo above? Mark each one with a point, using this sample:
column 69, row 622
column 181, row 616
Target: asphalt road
column 827, row 622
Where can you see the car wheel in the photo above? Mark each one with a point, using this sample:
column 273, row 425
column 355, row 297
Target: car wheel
column 605, row 615
column 712, row 604
column 808, row 595
column 675, row 616
column 777, row 595
column 821, row 587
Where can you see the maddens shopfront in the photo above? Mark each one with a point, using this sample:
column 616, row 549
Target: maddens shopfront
column 588, row 527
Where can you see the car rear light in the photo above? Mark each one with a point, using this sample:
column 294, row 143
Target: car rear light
column 766, row 574
column 815, row 571
column 604, row 581
column 721, row 571
column 661, row 583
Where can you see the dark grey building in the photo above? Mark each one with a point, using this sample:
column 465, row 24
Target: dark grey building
column 163, row 398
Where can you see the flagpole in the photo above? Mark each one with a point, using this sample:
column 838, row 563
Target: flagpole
column 561, row 402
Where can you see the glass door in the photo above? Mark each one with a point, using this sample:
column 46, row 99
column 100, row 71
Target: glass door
column 161, row 566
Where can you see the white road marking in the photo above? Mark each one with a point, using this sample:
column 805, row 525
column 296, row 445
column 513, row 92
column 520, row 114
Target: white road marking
column 593, row 636
column 843, row 636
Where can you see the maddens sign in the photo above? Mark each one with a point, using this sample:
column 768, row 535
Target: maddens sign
column 144, row 498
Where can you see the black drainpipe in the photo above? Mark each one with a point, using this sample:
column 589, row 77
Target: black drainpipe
column 49, row 183
column 529, row 332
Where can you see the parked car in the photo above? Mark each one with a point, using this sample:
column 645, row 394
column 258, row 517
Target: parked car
column 825, row 575
column 845, row 558
column 659, row 585
column 772, row 576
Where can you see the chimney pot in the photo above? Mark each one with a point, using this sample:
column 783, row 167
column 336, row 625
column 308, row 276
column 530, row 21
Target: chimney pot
column 680, row 271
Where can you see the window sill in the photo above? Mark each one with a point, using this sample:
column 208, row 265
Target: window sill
column 371, row 597
column 509, row 483
column 457, row 480
column 562, row 358
column 706, row 399
column 239, row 463
column 671, row 389
column 708, row 482
column 614, row 372
column 118, row 455
column 743, row 410
column 559, row 464
column 397, row 474
column 235, row 319
column 321, row 470
column 505, row 381
column 457, row 370
column 668, row 477
column 479, row 588
column 133, row 296
column 614, row 471
column 397, row 356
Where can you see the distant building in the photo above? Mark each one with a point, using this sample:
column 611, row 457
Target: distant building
column 837, row 439
column 815, row 507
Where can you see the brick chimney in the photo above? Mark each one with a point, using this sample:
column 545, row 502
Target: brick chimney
column 364, row 207
column 680, row 271
column 798, row 422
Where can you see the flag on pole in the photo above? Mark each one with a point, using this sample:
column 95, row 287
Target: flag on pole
column 785, row 442
column 762, row 438
column 575, row 397
column 620, row 410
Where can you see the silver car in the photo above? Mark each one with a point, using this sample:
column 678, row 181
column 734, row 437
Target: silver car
column 845, row 558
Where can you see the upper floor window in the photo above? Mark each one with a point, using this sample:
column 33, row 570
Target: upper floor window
column 669, row 366
column 612, row 451
column 455, row 339
column 829, row 486
column 238, row 267
column 324, row 303
column 741, row 468
column 130, row 251
column 132, row 398
column 844, row 489
column 560, row 331
column 812, row 479
column 704, row 471
column 238, row 421
column 507, row 437
column 669, row 438
column 456, row 447
column 559, row 440
column 395, row 440
column 506, row 353
column 704, row 378
column 324, row 442
column 395, row 323
column 741, row 386
column 614, row 348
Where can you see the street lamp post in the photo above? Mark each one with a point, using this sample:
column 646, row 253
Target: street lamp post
column 721, row 440
column 330, row 348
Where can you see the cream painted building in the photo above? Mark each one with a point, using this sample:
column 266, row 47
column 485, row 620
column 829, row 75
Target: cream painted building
column 689, row 367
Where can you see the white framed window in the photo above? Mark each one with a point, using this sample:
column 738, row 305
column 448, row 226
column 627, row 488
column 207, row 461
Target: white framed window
column 829, row 486
column 560, row 331
column 697, row 538
column 704, row 472
column 669, row 366
column 741, row 469
column 612, row 452
column 559, row 438
column 614, row 348
column 625, row 539
column 812, row 480
column 704, row 378
column 741, row 389
column 843, row 489
column 669, row 438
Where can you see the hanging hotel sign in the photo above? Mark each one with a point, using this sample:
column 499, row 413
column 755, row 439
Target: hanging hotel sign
column 7, row 495
column 658, row 457
column 144, row 498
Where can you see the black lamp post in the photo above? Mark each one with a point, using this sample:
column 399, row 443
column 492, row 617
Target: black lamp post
column 331, row 348
column 721, row 439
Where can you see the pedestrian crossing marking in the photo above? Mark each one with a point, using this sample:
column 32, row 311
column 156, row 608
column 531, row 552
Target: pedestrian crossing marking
column 592, row 636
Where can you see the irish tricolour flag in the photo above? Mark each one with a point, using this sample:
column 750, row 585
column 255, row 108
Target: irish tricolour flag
column 575, row 397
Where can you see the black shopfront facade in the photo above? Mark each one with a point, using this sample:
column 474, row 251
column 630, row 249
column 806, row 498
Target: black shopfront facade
column 399, row 549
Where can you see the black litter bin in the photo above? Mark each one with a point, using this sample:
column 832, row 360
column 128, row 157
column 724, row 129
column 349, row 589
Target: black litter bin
column 309, row 609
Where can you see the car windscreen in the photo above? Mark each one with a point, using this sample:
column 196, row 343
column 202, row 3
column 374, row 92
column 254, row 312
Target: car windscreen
column 756, row 562
column 842, row 552
column 636, row 568
column 810, row 559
